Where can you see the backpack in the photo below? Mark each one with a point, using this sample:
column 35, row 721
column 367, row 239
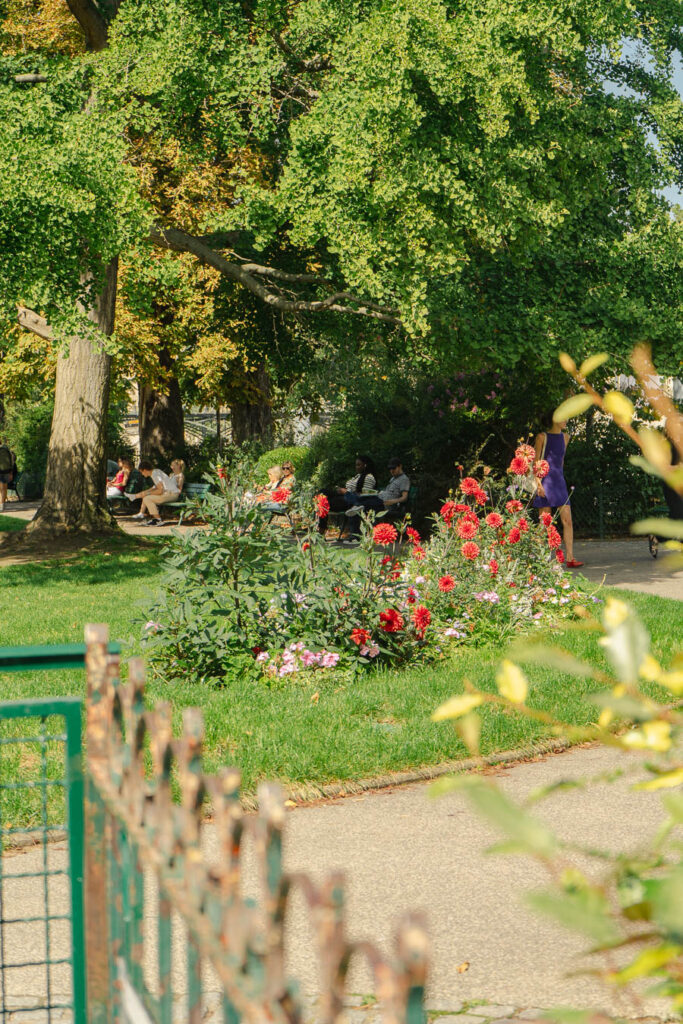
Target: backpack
column 5, row 459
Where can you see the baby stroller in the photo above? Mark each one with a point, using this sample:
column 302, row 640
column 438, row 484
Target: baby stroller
column 673, row 510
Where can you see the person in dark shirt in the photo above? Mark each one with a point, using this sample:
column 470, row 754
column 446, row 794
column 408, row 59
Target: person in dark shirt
column 395, row 493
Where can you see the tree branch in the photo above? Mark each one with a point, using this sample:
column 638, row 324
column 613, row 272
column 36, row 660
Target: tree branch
column 34, row 322
column 30, row 79
column 315, row 64
column 180, row 241
column 91, row 21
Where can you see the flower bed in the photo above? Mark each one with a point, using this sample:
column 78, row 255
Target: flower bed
column 242, row 597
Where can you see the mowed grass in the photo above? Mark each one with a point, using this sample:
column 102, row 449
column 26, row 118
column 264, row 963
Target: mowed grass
column 11, row 524
column 312, row 732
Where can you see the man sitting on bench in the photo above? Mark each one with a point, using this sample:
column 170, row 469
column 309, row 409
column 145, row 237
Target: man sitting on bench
column 394, row 494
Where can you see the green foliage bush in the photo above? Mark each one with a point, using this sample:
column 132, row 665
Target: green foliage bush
column 297, row 455
column 433, row 423
column 610, row 493
column 27, row 427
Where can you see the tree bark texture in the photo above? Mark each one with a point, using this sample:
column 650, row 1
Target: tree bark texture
column 253, row 421
column 74, row 498
column 160, row 417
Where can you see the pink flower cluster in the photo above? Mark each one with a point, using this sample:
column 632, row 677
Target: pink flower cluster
column 294, row 658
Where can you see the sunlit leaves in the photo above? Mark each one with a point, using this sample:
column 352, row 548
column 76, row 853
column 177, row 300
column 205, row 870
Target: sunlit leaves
column 574, row 406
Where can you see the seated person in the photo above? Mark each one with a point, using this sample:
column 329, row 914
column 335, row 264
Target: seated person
column 275, row 475
column 287, row 482
column 165, row 488
column 362, row 483
column 117, row 485
column 178, row 473
column 395, row 493
column 288, row 477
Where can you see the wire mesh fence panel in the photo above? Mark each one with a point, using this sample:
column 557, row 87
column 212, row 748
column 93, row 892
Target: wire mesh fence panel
column 42, row 971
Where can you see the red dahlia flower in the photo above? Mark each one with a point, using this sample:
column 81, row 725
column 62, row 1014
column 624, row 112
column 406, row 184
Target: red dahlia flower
column 525, row 451
column 467, row 529
column 546, row 518
column 305, row 546
column 518, row 466
column 387, row 560
column 514, row 505
column 541, row 469
column 419, row 554
column 559, row 555
column 421, row 618
column 384, row 533
column 469, row 485
column 412, row 595
column 522, row 525
column 448, row 511
column 470, row 549
column 322, row 506
column 460, row 508
column 514, row 536
column 493, row 567
column 446, row 584
column 494, row 520
column 480, row 497
column 360, row 636
column 413, row 535
column 554, row 539
column 391, row 621
column 281, row 496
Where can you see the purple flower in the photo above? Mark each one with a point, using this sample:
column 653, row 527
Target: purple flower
column 309, row 658
column 329, row 659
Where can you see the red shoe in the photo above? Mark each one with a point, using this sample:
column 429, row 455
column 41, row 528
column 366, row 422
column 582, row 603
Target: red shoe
column 574, row 564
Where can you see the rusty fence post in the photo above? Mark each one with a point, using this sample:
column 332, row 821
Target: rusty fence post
column 98, row 965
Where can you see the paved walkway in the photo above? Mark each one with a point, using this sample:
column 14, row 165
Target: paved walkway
column 627, row 563
column 402, row 850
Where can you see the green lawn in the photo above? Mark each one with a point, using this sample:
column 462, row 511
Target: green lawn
column 11, row 524
column 377, row 724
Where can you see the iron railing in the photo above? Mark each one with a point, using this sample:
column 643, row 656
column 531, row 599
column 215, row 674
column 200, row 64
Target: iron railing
column 149, row 849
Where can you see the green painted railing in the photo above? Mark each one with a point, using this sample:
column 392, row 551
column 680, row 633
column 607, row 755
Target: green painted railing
column 49, row 656
column 45, row 736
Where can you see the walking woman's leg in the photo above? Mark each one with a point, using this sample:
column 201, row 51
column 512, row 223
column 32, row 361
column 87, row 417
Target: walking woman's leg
column 568, row 531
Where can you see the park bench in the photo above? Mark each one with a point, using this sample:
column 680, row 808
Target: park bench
column 191, row 492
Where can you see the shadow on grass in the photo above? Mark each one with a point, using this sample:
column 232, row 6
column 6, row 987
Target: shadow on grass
column 114, row 560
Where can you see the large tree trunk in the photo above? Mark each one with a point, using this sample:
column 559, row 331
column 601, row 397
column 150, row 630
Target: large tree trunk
column 160, row 417
column 253, row 421
column 74, row 497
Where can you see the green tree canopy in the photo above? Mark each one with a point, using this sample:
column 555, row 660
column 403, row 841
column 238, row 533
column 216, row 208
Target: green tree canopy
column 461, row 165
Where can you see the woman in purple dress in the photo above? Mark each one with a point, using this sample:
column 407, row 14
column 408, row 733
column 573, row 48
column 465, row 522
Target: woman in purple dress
column 552, row 490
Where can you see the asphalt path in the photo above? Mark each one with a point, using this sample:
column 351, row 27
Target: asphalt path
column 403, row 850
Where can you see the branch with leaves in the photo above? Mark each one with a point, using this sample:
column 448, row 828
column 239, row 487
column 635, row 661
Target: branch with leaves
column 657, row 452
column 248, row 275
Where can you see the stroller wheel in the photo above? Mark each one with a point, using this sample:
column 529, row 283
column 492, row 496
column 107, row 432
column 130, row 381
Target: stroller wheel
column 653, row 544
